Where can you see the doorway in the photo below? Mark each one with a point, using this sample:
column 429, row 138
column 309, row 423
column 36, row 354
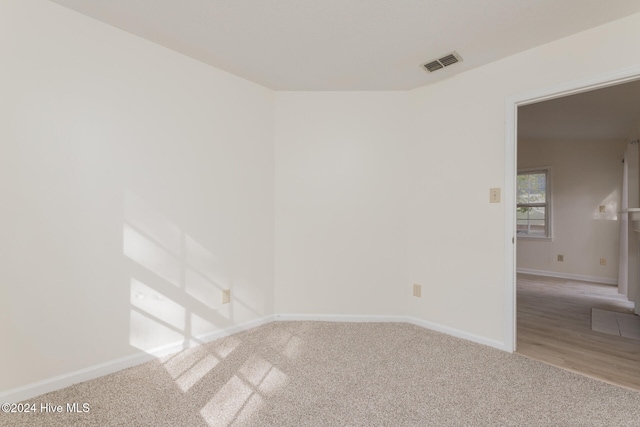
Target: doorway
column 511, row 149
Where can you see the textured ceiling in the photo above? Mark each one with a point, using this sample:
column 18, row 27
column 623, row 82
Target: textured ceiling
column 350, row 44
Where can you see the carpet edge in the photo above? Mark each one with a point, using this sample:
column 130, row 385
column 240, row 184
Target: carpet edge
column 31, row 390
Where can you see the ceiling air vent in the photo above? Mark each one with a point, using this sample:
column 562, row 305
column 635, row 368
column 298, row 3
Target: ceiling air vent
column 445, row 61
column 433, row 65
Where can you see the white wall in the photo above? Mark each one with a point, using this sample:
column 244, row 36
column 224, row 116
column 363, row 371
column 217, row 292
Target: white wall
column 633, row 240
column 456, row 238
column 127, row 169
column 585, row 175
column 341, row 184
column 136, row 184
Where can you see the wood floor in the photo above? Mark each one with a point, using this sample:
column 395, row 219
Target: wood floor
column 554, row 326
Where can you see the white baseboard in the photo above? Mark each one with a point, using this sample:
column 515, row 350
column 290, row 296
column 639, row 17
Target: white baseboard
column 341, row 318
column 61, row 381
column 56, row 383
column 400, row 319
column 456, row 333
column 235, row 329
column 580, row 277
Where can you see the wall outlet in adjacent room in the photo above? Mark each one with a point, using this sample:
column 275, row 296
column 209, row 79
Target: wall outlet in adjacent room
column 560, row 258
column 603, row 261
column 226, row 296
column 417, row 290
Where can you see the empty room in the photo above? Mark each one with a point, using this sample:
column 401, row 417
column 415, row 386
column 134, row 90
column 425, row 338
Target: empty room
column 309, row 213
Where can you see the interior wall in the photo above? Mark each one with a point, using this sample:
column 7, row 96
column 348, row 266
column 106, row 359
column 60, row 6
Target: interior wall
column 131, row 174
column 341, row 183
column 136, row 185
column 633, row 240
column 584, row 176
column 456, row 237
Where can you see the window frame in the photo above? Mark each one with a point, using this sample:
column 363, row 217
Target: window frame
column 547, row 205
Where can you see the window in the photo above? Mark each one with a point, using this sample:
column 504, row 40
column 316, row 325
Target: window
column 533, row 211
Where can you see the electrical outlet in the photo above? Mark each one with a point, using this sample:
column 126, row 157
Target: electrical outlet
column 560, row 258
column 417, row 290
column 603, row 261
column 602, row 209
column 226, row 296
column 494, row 195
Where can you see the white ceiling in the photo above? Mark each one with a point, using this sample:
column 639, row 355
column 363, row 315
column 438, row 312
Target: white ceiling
column 609, row 113
column 350, row 44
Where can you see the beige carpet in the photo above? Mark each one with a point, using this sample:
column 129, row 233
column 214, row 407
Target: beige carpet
column 341, row 374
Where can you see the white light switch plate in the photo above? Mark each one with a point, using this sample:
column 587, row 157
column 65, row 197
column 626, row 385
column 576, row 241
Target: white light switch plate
column 494, row 195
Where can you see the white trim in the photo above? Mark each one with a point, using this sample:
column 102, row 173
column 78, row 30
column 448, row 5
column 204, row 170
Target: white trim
column 533, row 238
column 457, row 333
column 38, row 388
column 511, row 135
column 232, row 330
column 341, row 318
column 56, row 383
column 31, row 390
column 399, row 319
column 511, row 172
column 580, row 277
column 575, row 87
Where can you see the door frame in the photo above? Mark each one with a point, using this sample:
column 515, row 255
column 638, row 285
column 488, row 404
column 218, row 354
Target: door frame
column 511, row 160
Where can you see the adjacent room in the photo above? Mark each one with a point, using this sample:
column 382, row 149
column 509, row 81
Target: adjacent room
column 576, row 254
column 306, row 213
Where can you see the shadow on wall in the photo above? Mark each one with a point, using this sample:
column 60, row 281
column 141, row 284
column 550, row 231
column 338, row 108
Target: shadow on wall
column 176, row 289
column 175, row 284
